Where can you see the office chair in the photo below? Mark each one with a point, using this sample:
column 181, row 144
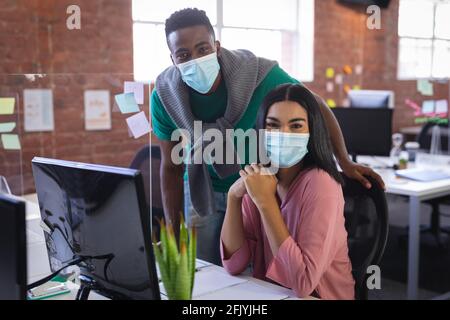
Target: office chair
column 141, row 162
column 366, row 221
column 424, row 139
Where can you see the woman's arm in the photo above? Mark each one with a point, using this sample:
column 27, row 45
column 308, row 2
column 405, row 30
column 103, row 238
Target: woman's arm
column 232, row 234
column 301, row 262
column 234, row 246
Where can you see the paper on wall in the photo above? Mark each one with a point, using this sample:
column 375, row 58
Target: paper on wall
column 138, row 124
column 137, row 88
column 38, row 110
column 97, row 110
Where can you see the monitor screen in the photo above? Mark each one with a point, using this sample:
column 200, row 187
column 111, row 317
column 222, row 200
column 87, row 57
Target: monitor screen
column 366, row 131
column 13, row 256
column 370, row 98
column 98, row 213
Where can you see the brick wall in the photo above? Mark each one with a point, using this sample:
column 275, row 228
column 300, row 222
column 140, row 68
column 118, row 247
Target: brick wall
column 35, row 39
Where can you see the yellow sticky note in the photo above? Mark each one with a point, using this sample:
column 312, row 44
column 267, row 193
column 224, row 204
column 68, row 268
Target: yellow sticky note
column 329, row 73
column 356, row 87
column 7, row 127
column 331, row 103
column 10, row 142
column 7, row 105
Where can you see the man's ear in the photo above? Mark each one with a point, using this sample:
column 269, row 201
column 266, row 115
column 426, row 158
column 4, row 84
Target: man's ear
column 217, row 43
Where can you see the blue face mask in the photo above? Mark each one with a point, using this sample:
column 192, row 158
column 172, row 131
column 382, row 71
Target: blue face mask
column 286, row 149
column 200, row 74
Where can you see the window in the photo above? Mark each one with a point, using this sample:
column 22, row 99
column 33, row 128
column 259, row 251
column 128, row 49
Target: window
column 282, row 31
column 424, row 43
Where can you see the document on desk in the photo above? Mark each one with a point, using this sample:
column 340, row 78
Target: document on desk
column 423, row 175
column 246, row 291
column 210, row 280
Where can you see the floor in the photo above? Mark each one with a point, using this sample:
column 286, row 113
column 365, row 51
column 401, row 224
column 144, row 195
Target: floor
column 398, row 216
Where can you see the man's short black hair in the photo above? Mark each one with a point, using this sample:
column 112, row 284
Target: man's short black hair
column 188, row 17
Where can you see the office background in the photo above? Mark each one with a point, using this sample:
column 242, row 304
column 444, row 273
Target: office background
column 39, row 51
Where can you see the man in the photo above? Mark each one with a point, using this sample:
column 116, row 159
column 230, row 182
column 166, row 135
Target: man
column 224, row 90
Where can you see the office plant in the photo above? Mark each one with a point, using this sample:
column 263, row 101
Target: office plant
column 176, row 263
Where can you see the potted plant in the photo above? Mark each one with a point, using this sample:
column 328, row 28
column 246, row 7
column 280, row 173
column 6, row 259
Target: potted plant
column 176, row 263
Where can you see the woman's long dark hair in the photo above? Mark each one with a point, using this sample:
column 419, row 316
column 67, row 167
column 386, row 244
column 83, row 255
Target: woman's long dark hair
column 320, row 153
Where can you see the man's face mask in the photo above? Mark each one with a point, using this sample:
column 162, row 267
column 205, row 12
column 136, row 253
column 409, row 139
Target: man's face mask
column 286, row 149
column 200, row 74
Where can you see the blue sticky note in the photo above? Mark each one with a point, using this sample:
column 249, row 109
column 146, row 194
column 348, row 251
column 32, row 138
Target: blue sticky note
column 127, row 103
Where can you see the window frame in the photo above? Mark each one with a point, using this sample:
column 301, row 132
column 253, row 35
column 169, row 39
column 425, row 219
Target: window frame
column 433, row 39
column 219, row 26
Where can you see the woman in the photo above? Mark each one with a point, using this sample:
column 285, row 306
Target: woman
column 290, row 225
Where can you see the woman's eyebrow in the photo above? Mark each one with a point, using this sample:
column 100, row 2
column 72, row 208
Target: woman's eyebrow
column 273, row 119
column 297, row 119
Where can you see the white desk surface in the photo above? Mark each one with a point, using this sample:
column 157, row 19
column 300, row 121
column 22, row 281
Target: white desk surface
column 401, row 186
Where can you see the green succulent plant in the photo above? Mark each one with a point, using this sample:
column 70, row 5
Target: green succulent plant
column 176, row 263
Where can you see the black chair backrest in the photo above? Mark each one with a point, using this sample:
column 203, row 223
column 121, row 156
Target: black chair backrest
column 141, row 162
column 366, row 221
column 424, row 137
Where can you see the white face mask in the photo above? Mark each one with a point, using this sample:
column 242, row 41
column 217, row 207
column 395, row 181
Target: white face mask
column 286, row 149
column 200, row 74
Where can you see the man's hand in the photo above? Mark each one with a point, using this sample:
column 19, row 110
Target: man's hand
column 358, row 171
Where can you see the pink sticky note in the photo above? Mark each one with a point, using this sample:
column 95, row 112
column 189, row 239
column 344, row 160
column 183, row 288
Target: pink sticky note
column 138, row 125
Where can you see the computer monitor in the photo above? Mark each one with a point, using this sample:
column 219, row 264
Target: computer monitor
column 13, row 249
column 371, row 99
column 97, row 214
column 366, row 131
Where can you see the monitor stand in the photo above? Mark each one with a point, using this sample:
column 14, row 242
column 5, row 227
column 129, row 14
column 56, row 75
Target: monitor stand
column 86, row 285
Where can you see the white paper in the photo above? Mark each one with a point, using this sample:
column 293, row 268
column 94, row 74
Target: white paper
column 210, row 280
column 97, row 110
column 330, row 86
column 441, row 106
column 137, row 88
column 38, row 110
column 247, row 291
column 138, row 124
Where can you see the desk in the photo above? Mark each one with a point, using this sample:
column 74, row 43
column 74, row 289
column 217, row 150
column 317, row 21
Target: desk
column 242, row 287
column 416, row 192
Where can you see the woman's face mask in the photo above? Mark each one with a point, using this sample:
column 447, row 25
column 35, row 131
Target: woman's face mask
column 200, row 74
column 286, row 149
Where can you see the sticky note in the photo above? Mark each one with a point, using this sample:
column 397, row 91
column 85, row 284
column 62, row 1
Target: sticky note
column 329, row 73
column 347, row 69
column 347, row 88
column 358, row 69
column 425, row 87
column 331, row 103
column 10, row 142
column 7, row 127
column 137, row 88
column 356, row 87
column 330, row 86
column 441, row 106
column 339, row 79
column 428, row 107
column 126, row 103
column 7, row 105
column 138, row 125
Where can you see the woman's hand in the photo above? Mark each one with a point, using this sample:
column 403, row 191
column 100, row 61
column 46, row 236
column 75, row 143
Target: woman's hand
column 237, row 189
column 261, row 185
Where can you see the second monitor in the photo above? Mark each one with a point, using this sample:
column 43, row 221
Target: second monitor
column 366, row 131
